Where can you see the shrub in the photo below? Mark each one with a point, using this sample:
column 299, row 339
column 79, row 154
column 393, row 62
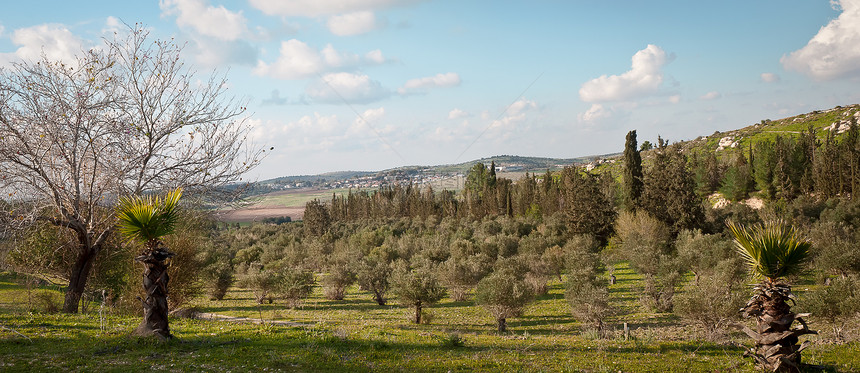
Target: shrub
column 587, row 291
column 461, row 273
column 335, row 282
column 838, row 301
column 646, row 243
column 295, row 285
column 262, row 282
column 713, row 302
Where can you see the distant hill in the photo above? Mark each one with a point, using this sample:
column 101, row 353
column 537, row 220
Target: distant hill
column 822, row 122
column 509, row 163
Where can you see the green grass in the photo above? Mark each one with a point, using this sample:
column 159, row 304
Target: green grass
column 357, row 335
column 296, row 198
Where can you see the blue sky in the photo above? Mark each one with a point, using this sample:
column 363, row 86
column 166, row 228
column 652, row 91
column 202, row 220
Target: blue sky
column 374, row 84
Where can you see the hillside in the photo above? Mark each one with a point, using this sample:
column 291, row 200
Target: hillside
column 822, row 121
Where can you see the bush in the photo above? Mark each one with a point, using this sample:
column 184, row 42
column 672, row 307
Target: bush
column 835, row 248
column 335, row 282
column 646, row 243
column 461, row 273
column 713, row 302
column 587, row 291
column 262, row 282
column 295, row 285
column 838, row 301
column 217, row 273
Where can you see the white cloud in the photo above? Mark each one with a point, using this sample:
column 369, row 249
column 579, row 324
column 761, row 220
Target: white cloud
column 421, row 85
column 1, row 30
column 713, row 95
column 834, row 52
column 770, row 77
column 368, row 118
column 55, row 41
column 112, row 25
column 206, row 19
column 596, row 112
column 674, row 99
column 352, row 23
column 375, row 56
column 316, row 8
column 298, row 60
column 353, row 88
column 457, row 114
column 333, row 58
column 644, row 78
column 515, row 114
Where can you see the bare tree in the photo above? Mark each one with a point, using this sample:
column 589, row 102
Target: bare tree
column 125, row 119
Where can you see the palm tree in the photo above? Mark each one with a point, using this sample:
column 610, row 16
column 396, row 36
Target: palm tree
column 773, row 251
column 146, row 220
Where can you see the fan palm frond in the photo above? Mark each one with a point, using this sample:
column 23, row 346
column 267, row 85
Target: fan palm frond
column 772, row 250
column 146, row 219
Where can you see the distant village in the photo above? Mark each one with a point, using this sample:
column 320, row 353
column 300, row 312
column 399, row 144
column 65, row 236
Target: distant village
column 427, row 176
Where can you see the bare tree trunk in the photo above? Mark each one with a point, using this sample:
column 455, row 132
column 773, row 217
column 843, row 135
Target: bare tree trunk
column 418, row 312
column 379, row 298
column 503, row 324
column 155, row 280
column 78, row 278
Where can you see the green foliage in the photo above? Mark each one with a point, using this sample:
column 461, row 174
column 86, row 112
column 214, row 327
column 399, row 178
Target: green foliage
column 633, row 178
column 504, row 293
column 838, row 301
column 415, row 287
column 646, row 243
column 374, row 271
column 702, row 252
column 669, row 193
column 587, row 209
column 738, row 181
column 713, row 300
column 587, row 290
column 772, row 250
column 147, row 219
column 836, row 249
column 643, row 240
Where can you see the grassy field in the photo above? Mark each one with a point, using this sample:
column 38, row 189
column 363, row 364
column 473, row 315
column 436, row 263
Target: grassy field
column 357, row 335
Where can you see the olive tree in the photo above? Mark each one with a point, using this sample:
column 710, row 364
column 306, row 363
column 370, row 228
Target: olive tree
column 125, row 119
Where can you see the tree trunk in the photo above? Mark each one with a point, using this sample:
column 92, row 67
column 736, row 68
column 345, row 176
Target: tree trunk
column 379, row 298
column 155, row 280
column 776, row 348
column 503, row 324
column 418, row 312
column 78, row 278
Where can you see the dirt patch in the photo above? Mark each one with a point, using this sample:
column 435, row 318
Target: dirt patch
column 259, row 213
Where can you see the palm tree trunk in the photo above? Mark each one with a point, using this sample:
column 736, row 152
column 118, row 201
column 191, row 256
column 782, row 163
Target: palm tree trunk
column 155, row 280
column 776, row 348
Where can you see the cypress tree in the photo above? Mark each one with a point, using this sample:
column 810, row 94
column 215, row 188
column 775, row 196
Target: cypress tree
column 633, row 185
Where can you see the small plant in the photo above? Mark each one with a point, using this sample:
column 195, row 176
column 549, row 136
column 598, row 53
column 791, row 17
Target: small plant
column 452, row 340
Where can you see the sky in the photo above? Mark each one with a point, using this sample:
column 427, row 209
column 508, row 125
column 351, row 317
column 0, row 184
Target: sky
column 369, row 85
